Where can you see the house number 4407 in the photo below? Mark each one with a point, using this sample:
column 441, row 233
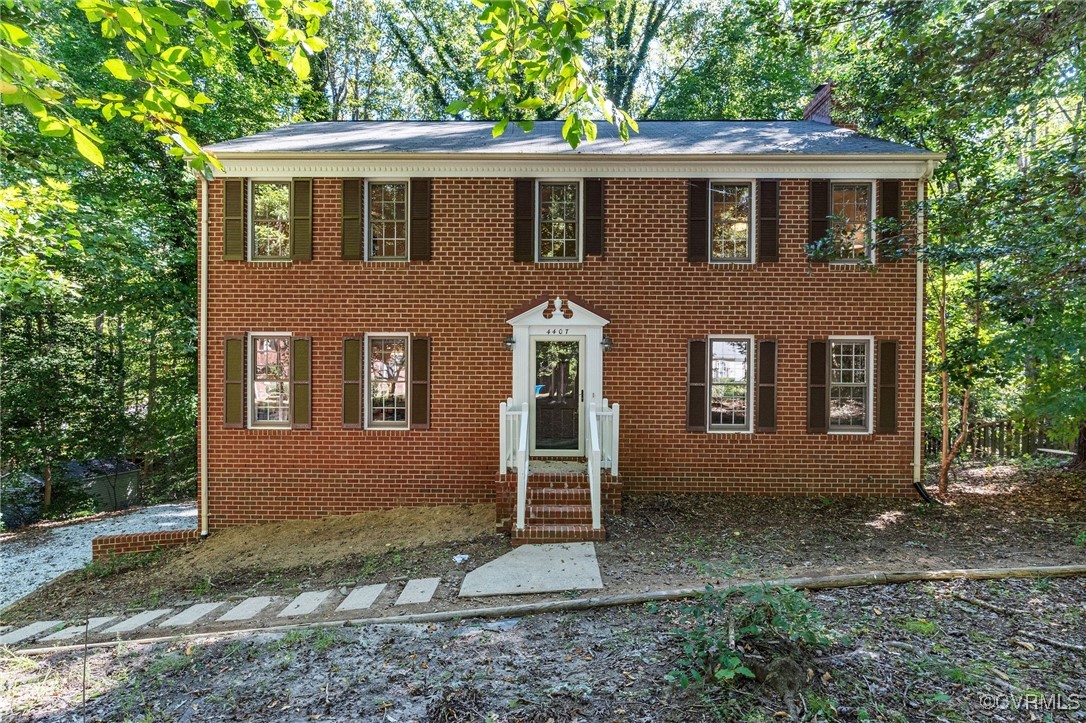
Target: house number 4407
column 559, row 332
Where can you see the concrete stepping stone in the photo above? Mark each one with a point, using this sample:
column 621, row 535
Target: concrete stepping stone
column 137, row 621
column 190, row 615
column 361, row 598
column 247, row 609
column 76, row 630
column 418, row 591
column 305, row 603
column 28, row 631
column 536, row 568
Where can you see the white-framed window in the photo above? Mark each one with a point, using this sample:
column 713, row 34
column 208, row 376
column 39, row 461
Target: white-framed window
column 388, row 219
column 387, row 380
column 851, row 384
column 731, row 383
column 269, row 225
column 853, row 202
column 558, row 220
column 269, row 379
column 731, row 222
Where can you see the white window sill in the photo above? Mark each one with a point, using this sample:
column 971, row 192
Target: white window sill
column 730, row 431
column 847, row 432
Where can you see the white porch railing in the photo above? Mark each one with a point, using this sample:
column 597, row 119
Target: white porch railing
column 601, row 449
column 513, row 441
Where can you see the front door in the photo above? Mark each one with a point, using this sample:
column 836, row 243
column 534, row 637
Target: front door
column 557, row 398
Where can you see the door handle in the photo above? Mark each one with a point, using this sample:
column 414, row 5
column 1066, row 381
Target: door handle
column 582, row 396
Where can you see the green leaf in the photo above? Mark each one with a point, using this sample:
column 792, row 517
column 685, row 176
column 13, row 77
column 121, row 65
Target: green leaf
column 174, row 54
column 87, row 147
column 499, row 127
column 299, row 63
column 120, row 69
column 52, row 127
column 457, row 106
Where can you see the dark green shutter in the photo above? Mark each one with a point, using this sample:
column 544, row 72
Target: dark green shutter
column 524, row 219
column 696, row 375
column 352, row 382
column 420, row 219
column 886, row 401
column 420, row 382
column 234, row 378
column 818, row 404
column 301, row 219
column 819, row 208
column 697, row 221
column 233, row 229
column 352, row 226
column 766, row 418
column 301, row 386
column 769, row 221
column 889, row 207
column 594, row 203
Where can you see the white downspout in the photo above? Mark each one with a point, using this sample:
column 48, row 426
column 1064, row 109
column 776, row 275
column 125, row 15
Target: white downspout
column 918, row 392
column 203, row 357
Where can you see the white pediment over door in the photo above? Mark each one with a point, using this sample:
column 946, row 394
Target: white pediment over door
column 558, row 311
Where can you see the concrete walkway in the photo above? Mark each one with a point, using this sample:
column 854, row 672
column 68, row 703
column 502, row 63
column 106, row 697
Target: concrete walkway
column 33, row 558
column 526, row 570
column 536, row 568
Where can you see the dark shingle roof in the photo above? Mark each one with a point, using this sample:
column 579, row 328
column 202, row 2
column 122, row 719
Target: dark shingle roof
column 668, row 138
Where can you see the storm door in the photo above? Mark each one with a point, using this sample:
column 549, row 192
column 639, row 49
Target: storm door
column 557, row 402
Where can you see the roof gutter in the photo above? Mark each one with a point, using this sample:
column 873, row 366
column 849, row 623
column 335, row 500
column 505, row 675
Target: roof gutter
column 513, row 157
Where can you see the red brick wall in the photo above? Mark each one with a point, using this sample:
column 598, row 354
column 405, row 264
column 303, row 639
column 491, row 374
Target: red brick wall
column 106, row 546
column 656, row 299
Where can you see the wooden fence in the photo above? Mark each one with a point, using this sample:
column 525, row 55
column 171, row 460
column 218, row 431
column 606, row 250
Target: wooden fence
column 1001, row 438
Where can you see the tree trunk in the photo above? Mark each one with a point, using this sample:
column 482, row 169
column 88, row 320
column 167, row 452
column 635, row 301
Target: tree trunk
column 1080, row 447
column 47, row 487
column 150, row 438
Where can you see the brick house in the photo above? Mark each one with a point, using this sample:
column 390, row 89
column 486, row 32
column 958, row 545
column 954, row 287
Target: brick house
column 416, row 313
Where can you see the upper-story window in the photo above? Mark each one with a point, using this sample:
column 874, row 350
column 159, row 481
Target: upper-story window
column 730, row 227
column 271, row 220
column 730, row 384
column 850, row 385
column 559, row 221
column 387, row 231
column 270, row 380
column 852, row 204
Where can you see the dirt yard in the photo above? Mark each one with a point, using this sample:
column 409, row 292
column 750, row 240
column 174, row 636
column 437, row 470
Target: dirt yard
column 998, row 516
column 961, row 651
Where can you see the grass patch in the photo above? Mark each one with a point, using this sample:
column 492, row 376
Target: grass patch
column 115, row 564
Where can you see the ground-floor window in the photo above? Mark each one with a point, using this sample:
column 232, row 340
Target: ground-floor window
column 270, row 380
column 386, row 380
column 730, row 382
column 850, row 385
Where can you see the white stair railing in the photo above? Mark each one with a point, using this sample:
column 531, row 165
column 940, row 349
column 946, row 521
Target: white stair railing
column 592, row 449
column 513, row 441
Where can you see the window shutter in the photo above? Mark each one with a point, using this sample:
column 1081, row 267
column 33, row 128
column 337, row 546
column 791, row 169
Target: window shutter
column 234, row 378
column 696, row 373
column 233, row 219
column 769, row 221
column 766, row 420
column 697, row 221
column 819, row 210
column 352, row 228
column 524, row 219
column 886, row 401
column 301, row 220
column 818, row 403
column 889, row 207
column 420, row 219
column 301, row 387
column 594, row 204
column 352, row 382
column 420, row 382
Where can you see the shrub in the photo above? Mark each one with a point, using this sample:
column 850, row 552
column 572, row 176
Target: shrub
column 721, row 630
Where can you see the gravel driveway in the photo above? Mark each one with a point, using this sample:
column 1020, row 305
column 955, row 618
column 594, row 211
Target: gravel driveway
column 31, row 560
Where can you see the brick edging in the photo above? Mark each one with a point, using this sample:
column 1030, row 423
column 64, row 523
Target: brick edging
column 106, row 546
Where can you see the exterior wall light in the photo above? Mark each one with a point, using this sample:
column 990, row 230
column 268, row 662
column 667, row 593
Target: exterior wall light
column 509, row 342
column 607, row 343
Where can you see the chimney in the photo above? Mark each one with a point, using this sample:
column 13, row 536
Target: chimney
column 819, row 107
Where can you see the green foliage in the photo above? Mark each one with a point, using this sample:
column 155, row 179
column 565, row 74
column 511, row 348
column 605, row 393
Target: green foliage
column 148, row 46
column 115, row 564
column 717, row 629
column 1080, row 538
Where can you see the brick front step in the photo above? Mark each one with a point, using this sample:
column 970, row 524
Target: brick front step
column 558, row 533
column 559, row 514
column 558, row 496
